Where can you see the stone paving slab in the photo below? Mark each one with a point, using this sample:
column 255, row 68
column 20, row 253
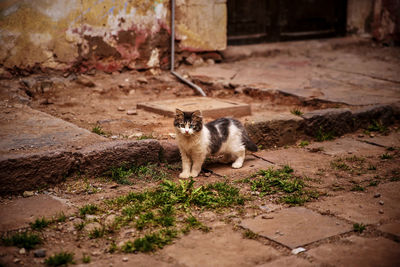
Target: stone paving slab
column 391, row 140
column 296, row 226
column 250, row 166
column 302, row 161
column 346, row 147
column 358, row 251
column 220, row 247
column 26, row 210
column 288, row 261
column 391, row 228
column 209, row 107
column 363, row 207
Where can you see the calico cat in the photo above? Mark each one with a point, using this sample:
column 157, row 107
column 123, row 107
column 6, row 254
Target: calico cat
column 224, row 136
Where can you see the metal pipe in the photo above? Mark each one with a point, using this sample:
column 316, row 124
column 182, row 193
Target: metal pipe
column 173, row 53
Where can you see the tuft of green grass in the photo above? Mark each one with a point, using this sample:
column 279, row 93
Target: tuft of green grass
column 60, row 259
column 373, row 183
column 96, row 233
column 339, row 164
column 22, row 240
column 296, row 112
column 321, row 135
column 249, row 234
column 376, row 126
column 86, row 259
column 357, row 188
column 304, row 143
column 61, row 217
column 359, row 227
column 113, row 247
column 150, row 242
column 79, row 226
column 120, row 175
column 98, row 130
column 386, row 156
column 150, row 172
column 145, row 136
column 282, row 181
column 40, row 224
column 371, row 167
column 88, row 209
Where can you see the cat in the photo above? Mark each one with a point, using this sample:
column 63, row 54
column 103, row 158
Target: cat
column 196, row 141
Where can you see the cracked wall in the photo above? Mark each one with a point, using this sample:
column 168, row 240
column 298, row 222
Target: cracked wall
column 107, row 35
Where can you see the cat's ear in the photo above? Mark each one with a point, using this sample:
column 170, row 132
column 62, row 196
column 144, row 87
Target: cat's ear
column 178, row 112
column 197, row 113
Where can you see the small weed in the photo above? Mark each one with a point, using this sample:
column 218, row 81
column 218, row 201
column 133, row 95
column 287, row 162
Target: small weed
column 357, row 188
column 390, row 148
column 249, row 234
column 386, row 156
column 359, row 227
column 59, row 259
column 376, row 126
column 304, row 143
column 86, row 259
column 321, row 136
column 296, row 112
column 88, row 209
column 144, row 136
column 395, row 179
column 373, row 183
column 61, row 217
column 371, row 167
column 113, row 247
column 22, row 240
column 150, row 242
column 40, row 224
column 339, row 164
column 98, row 130
column 120, row 175
column 96, row 233
column 79, row 226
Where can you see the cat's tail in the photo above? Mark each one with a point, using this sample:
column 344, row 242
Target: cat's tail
column 249, row 144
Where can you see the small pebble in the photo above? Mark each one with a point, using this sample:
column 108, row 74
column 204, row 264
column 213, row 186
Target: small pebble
column 121, row 109
column 298, row 250
column 22, row 251
column 28, row 194
column 16, row 260
column 39, row 253
column 96, row 253
column 381, row 211
column 125, row 259
column 131, row 112
column 377, row 195
column 381, row 202
column 114, row 137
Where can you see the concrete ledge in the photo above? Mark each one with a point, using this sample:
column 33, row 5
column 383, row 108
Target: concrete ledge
column 34, row 171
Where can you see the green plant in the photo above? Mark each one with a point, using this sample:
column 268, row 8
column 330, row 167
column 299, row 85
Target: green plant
column 86, row 258
column 150, row 242
column 144, row 136
column 40, row 224
column 22, row 240
column 98, row 130
column 386, row 156
column 359, row 227
column 96, row 233
column 339, row 164
column 296, row 112
column 371, row 167
column 88, row 209
column 249, row 234
column 79, row 226
column 304, row 143
column 357, row 188
column 59, row 259
column 61, row 217
column 376, row 126
column 373, row 183
column 321, row 135
column 281, row 181
column 120, row 175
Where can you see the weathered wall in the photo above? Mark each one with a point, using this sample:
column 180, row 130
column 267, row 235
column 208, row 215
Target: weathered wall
column 104, row 34
column 386, row 21
column 359, row 16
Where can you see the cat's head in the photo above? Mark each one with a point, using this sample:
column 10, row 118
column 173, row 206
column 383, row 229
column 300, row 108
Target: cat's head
column 188, row 123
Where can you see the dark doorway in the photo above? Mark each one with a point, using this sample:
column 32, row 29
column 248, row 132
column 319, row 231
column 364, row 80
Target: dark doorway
column 257, row 21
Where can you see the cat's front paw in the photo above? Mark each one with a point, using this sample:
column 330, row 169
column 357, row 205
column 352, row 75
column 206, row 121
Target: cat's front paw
column 237, row 165
column 194, row 174
column 184, row 175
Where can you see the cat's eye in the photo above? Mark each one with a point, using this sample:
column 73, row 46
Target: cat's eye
column 191, row 126
column 182, row 125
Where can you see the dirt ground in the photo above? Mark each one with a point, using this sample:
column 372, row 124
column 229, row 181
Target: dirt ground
column 368, row 175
